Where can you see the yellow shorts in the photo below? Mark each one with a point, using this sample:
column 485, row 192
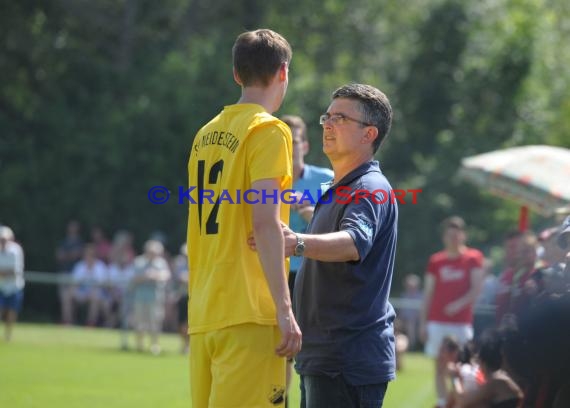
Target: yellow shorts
column 237, row 367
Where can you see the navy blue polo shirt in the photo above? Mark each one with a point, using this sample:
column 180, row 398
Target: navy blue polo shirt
column 342, row 307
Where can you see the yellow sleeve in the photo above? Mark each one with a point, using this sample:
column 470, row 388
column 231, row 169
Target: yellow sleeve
column 269, row 153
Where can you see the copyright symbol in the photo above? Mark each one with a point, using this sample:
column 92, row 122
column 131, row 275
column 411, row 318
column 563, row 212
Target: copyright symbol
column 158, row 195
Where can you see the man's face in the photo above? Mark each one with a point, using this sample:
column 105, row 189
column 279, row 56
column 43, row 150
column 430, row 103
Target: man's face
column 73, row 229
column 90, row 255
column 454, row 237
column 345, row 138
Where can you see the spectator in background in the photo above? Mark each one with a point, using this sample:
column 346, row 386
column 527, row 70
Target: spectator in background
column 122, row 248
column 518, row 284
column 468, row 368
column 306, row 178
column 452, row 283
column 151, row 273
column 550, row 253
column 88, row 278
column 458, row 364
column 499, row 389
column 510, row 246
column 484, row 317
column 409, row 312
column 537, row 355
column 563, row 241
column 554, row 256
column 118, row 301
column 563, row 238
column 11, row 279
column 102, row 244
column 180, row 278
column 402, row 344
column 69, row 251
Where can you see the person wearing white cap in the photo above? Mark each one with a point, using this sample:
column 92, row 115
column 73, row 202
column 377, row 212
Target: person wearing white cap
column 11, row 279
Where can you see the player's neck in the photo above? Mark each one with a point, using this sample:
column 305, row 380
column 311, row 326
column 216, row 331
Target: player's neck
column 267, row 97
column 455, row 251
column 343, row 166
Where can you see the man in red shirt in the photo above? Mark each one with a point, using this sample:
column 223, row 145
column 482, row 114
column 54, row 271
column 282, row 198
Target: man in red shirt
column 452, row 283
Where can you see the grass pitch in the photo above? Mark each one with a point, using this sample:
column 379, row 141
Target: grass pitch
column 53, row 367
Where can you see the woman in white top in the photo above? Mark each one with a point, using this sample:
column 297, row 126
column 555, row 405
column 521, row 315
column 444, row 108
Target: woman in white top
column 11, row 279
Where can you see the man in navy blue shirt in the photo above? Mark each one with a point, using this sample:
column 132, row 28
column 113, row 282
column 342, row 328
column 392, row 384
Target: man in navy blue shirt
column 341, row 291
column 307, row 180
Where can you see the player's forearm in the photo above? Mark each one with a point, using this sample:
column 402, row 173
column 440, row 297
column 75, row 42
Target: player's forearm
column 333, row 247
column 269, row 238
column 475, row 287
column 468, row 299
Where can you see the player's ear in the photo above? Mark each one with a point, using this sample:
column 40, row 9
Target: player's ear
column 236, row 77
column 283, row 71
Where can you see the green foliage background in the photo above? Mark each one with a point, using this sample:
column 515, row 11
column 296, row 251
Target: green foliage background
column 99, row 101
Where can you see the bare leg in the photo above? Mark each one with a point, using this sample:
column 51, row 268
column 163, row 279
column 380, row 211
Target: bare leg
column 11, row 316
column 440, row 388
column 66, row 300
column 93, row 311
column 124, row 310
column 156, row 328
column 185, row 338
column 154, row 345
column 412, row 332
column 107, row 314
column 140, row 340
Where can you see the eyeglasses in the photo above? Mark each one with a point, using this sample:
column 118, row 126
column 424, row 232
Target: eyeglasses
column 339, row 119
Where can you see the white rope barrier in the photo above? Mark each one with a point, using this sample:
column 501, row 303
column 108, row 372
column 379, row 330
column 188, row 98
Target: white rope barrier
column 50, row 278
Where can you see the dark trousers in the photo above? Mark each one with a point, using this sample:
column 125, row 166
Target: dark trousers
column 319, row 391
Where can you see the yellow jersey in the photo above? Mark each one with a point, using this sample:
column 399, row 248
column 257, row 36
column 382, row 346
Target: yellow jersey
column 227, row 285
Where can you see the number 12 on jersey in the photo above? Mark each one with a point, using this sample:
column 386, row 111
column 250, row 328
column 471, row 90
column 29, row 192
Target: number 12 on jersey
column 214, row 176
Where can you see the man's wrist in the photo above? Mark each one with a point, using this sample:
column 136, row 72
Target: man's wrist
column 299, row 249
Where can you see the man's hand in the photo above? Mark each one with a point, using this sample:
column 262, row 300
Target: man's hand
column 290, row 240
column 290, row 335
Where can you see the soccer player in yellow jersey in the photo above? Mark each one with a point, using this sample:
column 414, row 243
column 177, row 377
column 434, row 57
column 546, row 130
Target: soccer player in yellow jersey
column 240, row 318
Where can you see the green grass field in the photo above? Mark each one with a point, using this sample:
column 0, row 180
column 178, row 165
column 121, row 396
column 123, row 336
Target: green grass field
column 50, row 366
